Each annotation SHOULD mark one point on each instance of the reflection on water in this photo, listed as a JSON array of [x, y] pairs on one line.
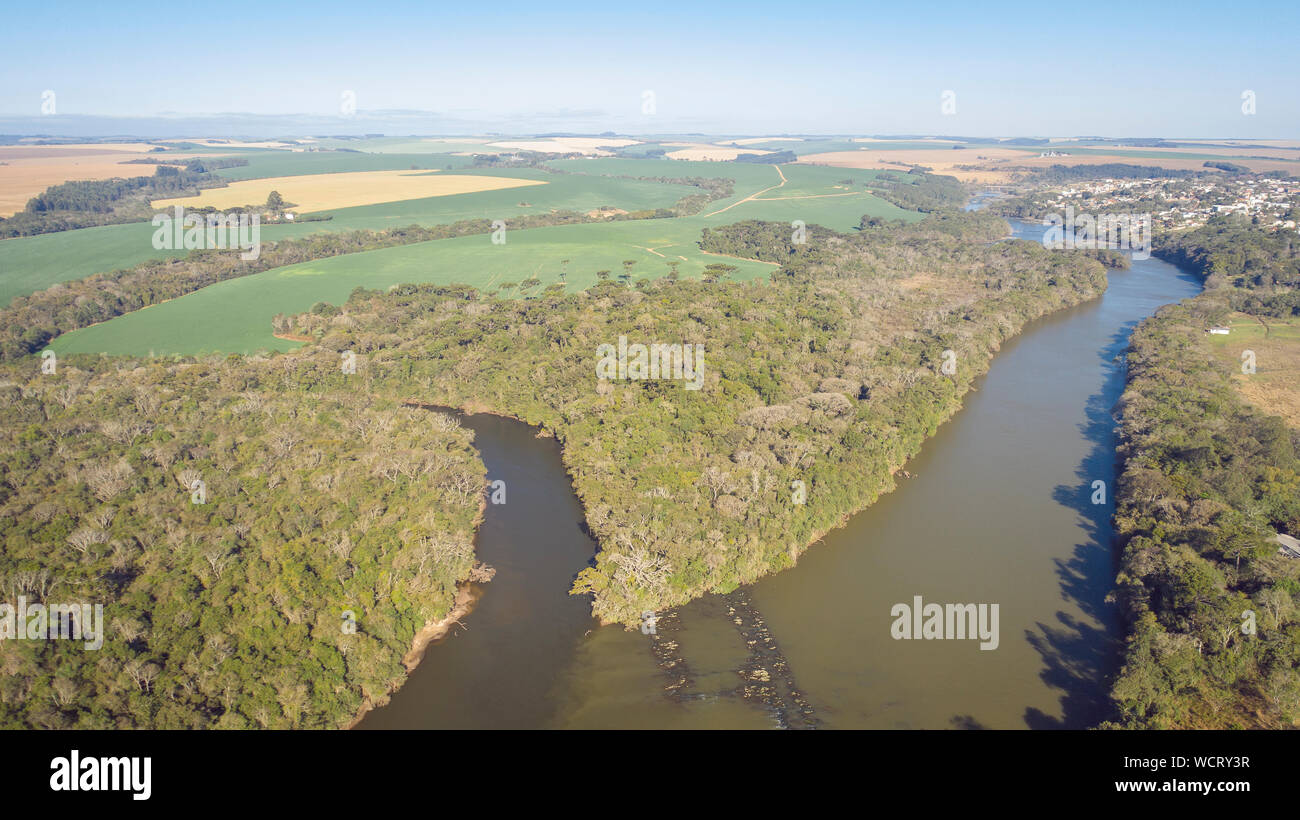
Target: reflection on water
[[998, 511]]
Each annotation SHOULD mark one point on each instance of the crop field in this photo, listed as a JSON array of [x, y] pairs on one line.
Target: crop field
[[319, 192], [707, 151], [33, 263], [262, 164], [1274, 387], [408, 145], [235, 316], [27, 170], [745, 175], [810, 193]]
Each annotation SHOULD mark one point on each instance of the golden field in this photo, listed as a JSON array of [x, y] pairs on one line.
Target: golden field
[[988, 165], [321, 192], [30, 169], [703, 151]]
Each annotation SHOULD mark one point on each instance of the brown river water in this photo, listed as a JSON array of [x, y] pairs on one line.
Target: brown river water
[[998, 511]]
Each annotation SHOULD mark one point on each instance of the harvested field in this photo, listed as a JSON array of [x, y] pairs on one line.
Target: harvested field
[[319, 192], [30, 169], [990, 165], [700, 151]]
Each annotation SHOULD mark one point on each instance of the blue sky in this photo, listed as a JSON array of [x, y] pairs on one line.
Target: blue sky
[[1112, 69]]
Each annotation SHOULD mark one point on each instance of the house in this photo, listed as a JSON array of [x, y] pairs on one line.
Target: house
[[1220, 331], [1288, 546]]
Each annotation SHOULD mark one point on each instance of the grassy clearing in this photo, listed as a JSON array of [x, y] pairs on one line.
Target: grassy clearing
[[1274, 387]]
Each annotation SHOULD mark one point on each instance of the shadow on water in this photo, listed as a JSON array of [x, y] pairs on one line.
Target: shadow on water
[[1081, 656]]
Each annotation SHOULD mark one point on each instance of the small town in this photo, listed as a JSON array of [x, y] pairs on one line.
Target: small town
[[1273, 204]]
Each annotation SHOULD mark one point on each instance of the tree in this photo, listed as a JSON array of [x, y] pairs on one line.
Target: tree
[[275, 202]]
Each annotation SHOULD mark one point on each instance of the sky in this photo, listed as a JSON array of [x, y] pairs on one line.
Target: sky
[[1013, 69]]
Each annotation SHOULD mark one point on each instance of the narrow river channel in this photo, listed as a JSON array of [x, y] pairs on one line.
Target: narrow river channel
[[998, 511]]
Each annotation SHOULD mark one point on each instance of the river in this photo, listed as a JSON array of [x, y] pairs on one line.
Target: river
[[999, 510]]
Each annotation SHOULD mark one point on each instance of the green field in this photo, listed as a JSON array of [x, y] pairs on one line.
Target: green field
[[235, 316], [268, 163], [33, 263], [405, 145]]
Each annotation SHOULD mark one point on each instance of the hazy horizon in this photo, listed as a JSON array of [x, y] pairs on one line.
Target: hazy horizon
[[244, 125]]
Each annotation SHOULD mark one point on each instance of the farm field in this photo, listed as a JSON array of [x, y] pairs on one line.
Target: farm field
[[262, 164], [27, 170], [992, 162], [707, 151], [319, 192], [235, 316], [1274, 387], [33, 263]]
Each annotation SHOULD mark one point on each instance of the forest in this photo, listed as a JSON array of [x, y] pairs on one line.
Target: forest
[[919, 191], [264, 535], [235, 514], [827, 375]]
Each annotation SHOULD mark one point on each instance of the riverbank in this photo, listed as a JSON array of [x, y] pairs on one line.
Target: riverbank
[[468, 592], [1000, 510], [1209, 480], [467, 595]]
